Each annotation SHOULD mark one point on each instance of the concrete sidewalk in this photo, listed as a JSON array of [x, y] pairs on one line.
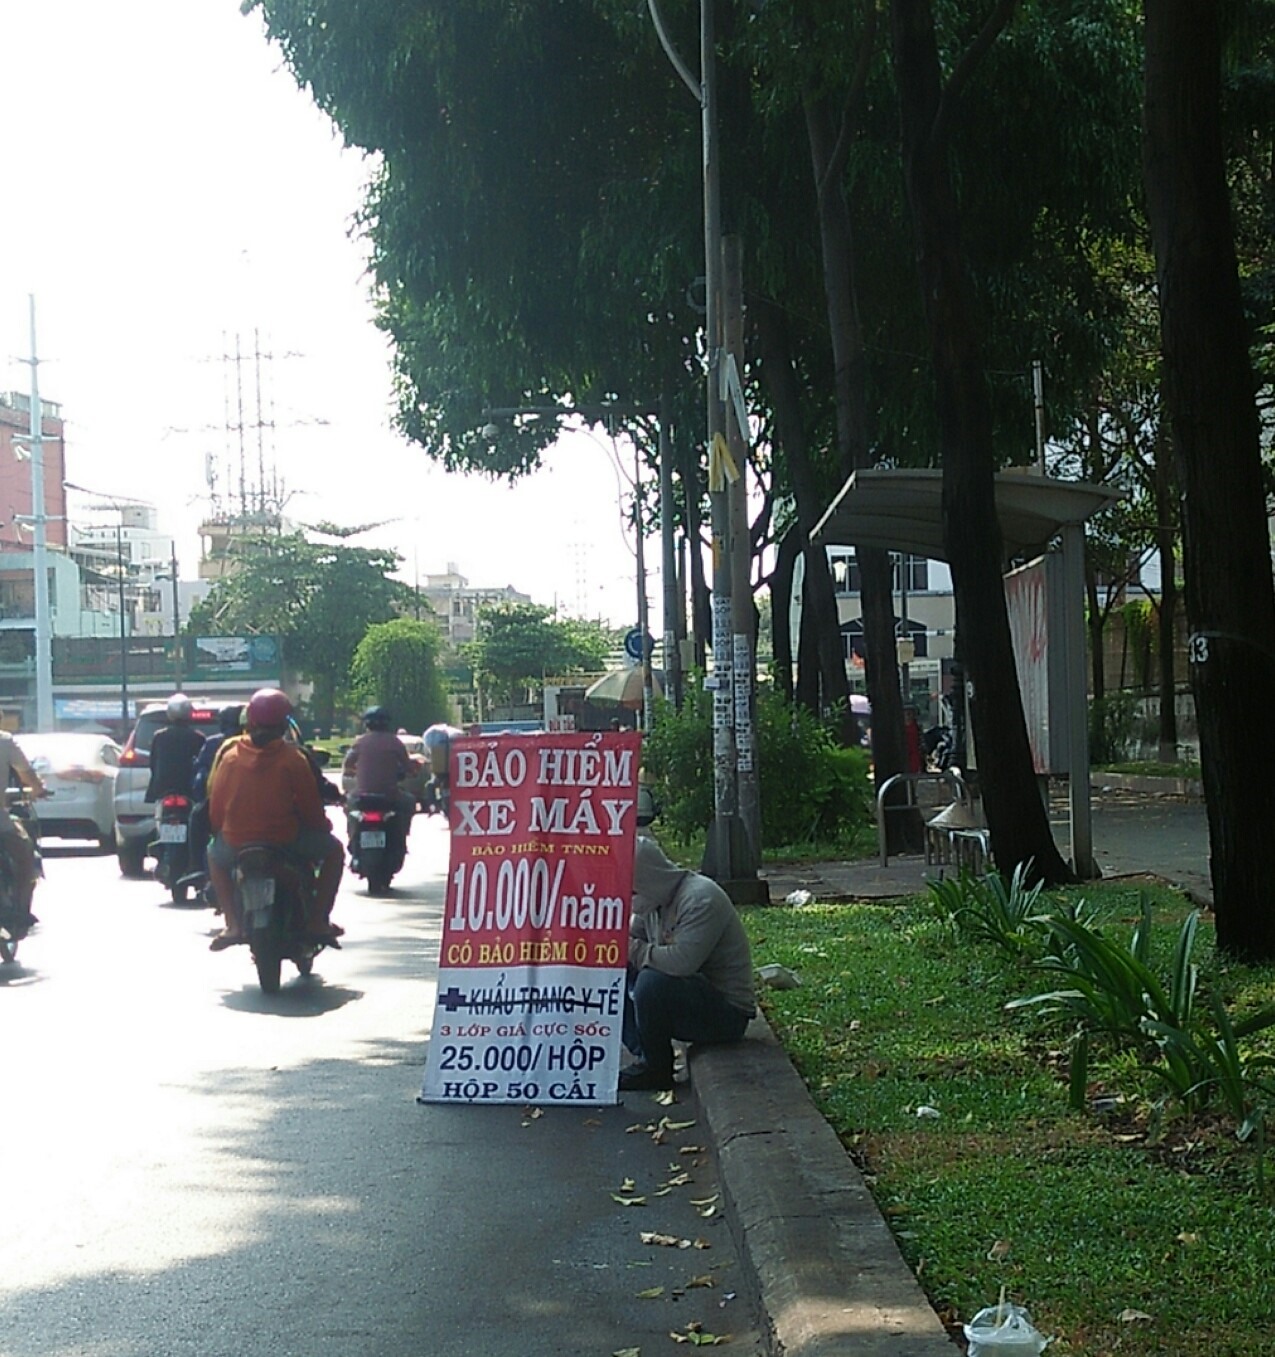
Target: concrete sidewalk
[[826, 1275]]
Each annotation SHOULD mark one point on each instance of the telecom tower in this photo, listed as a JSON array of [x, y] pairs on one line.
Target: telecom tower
[[245, 491]]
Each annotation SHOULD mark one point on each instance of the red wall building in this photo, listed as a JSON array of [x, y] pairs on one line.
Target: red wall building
[[15, 473]]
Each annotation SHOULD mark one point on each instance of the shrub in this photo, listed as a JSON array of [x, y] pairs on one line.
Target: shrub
[[810, 789], [1112, 725]]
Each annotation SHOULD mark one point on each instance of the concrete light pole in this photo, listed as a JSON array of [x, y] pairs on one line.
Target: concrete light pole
[[730, 851]]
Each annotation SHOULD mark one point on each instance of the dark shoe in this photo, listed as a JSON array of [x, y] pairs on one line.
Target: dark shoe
[[226, 939], [642, 1078]]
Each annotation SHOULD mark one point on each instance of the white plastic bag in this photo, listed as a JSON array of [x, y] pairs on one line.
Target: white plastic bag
[[1003, 1331]]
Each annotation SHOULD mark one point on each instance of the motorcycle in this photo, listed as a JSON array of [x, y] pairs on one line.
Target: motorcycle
[[172, 846], [273, 887], [377, 839], [437, 798], [14, 924]]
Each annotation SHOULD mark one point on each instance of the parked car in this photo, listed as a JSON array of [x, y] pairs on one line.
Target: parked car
[[134, 815], [79, 771]]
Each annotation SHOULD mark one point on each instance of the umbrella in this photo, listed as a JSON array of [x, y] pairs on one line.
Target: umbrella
[[623, 687]]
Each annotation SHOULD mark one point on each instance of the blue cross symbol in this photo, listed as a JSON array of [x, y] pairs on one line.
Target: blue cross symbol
[[453, 999]]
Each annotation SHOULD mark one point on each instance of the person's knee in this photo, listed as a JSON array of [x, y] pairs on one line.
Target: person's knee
[[654, 991]]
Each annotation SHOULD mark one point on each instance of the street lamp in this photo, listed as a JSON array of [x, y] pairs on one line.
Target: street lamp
[[177, 617]]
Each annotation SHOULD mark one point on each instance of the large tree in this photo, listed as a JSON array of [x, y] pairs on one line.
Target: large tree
[[518, 645], [1209, 394], [396, 665], [1016, 815], [319, 598]]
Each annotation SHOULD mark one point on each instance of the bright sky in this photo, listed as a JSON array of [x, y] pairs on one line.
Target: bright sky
[[167, 188]]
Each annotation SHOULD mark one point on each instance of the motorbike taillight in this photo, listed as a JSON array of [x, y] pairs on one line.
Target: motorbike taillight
[[373, 817], [175, 803]]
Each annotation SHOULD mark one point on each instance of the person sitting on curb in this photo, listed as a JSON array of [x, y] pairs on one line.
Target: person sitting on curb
[[690, 974], [262, 790]]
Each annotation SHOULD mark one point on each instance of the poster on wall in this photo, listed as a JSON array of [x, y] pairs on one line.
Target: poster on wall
[[531, 968]]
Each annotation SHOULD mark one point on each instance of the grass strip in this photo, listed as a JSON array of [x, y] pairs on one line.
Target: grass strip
[[1126, 1228]]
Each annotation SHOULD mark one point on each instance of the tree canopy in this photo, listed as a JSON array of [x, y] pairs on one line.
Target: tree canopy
[[396, 665], [519, 644], [319, 598]]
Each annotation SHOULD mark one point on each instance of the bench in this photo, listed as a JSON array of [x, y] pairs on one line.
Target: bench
[[965, 849], [912, 784]]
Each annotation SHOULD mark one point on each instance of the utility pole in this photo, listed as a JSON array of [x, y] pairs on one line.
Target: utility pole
[[120, 572], [743, 625], [728, 856], [177, 623], [39, 551]]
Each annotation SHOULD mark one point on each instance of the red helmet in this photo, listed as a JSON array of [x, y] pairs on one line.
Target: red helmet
[[269, 707]]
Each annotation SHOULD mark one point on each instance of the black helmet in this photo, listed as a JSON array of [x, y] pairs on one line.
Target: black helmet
[[377, 718], [230, 719]]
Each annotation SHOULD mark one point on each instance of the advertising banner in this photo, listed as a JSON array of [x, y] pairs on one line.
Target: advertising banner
[[532, 963]]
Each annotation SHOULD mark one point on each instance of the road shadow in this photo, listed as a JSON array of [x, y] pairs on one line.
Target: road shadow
[[73, 848], [304, 996]]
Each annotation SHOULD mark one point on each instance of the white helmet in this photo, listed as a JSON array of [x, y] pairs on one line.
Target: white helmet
[[180, 707]]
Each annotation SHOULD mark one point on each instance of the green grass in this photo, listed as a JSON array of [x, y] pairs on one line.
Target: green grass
[[1133, 1208]]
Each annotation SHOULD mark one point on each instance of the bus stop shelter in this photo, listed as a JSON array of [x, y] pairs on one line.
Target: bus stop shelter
[[900, 510]]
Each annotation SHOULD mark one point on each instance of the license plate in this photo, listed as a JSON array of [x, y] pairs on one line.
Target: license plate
[[372, 838], [257, 893], [172, 833]]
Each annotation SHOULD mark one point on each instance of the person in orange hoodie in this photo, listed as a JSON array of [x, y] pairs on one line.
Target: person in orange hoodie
[[262, 790]]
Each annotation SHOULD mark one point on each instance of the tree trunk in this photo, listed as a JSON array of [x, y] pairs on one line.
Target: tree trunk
[[1209, 395], [808, 692], [1016, 815], [781, 385], [1166, 620], [1096, 622], [781, 609], [701, 623], [876, 593]]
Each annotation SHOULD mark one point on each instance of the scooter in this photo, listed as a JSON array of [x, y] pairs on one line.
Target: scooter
[[172, 846], [378, 840], [273, 886], [15, 924]]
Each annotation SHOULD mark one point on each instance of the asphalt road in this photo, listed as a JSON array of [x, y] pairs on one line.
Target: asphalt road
[[191, 1167]]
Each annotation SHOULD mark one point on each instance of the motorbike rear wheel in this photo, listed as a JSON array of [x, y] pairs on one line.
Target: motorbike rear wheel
[[178, 893], [8, 949], [305, 964], [378, 881], [269, 971]]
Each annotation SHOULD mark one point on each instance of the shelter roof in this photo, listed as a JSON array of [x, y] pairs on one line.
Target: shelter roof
[[900, 510]]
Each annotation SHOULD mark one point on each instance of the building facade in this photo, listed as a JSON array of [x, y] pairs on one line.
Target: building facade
[[456, 602]]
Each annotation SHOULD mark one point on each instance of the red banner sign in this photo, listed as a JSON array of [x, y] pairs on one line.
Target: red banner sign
[[535, 936]]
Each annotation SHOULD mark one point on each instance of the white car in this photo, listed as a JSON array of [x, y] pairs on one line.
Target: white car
[[79, 772]]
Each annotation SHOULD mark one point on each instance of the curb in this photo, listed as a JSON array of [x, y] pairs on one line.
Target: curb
[[822, 1267]]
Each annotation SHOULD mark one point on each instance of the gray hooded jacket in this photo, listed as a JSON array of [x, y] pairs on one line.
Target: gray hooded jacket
[[685, 924]]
